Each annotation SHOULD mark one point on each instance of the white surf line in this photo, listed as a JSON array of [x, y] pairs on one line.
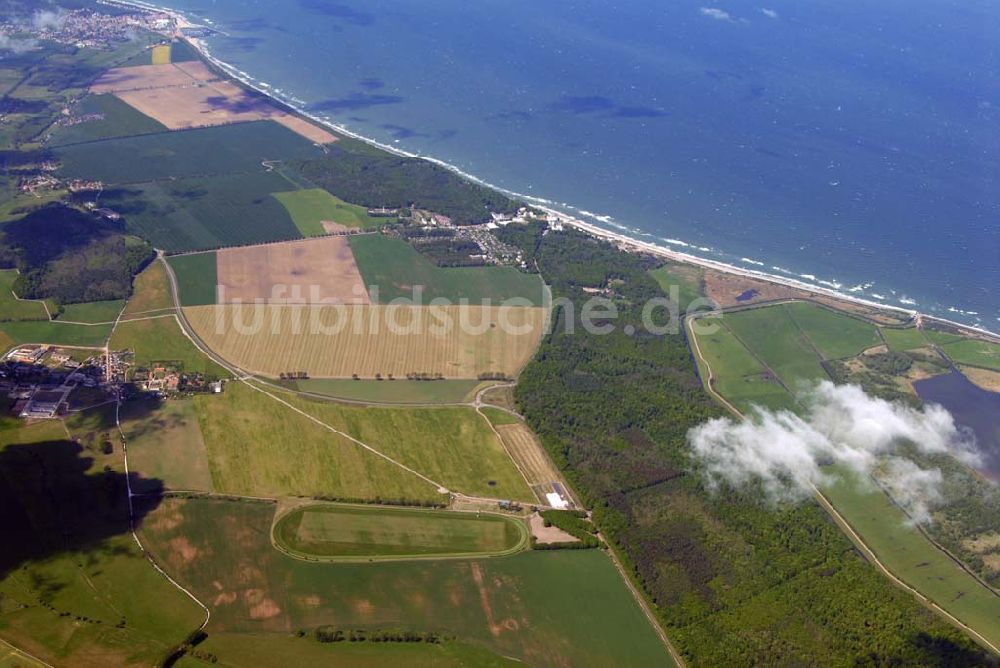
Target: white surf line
[[131, 520], [839, 519]]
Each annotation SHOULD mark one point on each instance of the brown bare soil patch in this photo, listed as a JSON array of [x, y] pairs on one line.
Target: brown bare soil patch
[[363, 607], [225, 598], [183, 548], [310, 601], [189, 95], [259, 605], [331, 227], [146, 77], [484, 599], [552, 534], [320, 270]]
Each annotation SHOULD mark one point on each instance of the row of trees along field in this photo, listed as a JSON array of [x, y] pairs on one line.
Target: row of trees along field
[[735, 580]]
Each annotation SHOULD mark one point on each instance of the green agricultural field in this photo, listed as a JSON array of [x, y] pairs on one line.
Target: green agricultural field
[[118, 120], [160, 339], [259, 447], [92, 312], [165, 444], [310, 208], [395, 267], [197, 278], [150, 291], [942, 338], [205, 212], [546, 608], [899, 340], [392, 392], [75, 588], [227, 149], [499, 417], [12, 308], [774, 338], [272, 650], [737, 375], [56, 333], [834, 335], [974, 352], [452, 445], [908, 554], [358, 533]]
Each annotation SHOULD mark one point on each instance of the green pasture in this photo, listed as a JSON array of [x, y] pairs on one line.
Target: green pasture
[[12, 308], [545, 608], [197, 278], [56, 333], [309, 208], [118, 120], [161, 339], [395, 267], [899, 340], [834, 335], [774, 338], [165, 444], [974, 352], [499, 417], [92, 312]]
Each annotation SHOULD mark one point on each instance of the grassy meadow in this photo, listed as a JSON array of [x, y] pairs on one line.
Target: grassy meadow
[[545, 608], [165, 444], [197, 278], [259, 447], [309, 208], [117, 119], [899, 340], [12, 308], [92, 312], [162, 340], [56, 333], [395, 267], [391, 392], [74, 587], [150, 291], [974, 353], [775, 339], [339, 532]]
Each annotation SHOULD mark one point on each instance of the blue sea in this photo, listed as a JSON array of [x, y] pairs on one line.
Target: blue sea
[[849, 143]]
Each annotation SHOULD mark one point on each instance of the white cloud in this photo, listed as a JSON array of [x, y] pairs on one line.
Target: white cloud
[[8, 43], [842, 425], [716, 13], [48, 19], [769, 13]]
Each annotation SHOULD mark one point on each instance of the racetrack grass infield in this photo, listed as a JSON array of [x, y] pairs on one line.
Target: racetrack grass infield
[[546, 608], [371, 340], [110, 118], [395, 267], [197, 278], [165, 444], [150, 292], [161, 339], [909, 555], [258, 447], [56, 333], [338, 532], [239, 147], [205, 212], [75, 588], [452, 445], [391, 391], [311, 207], [92, 312], [12, 308]]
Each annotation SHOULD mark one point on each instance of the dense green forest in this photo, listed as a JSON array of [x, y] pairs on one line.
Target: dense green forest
[[71, 256], [358, 173], [735, 581]]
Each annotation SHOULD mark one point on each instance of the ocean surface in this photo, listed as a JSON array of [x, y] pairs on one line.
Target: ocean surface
[[849, 143]]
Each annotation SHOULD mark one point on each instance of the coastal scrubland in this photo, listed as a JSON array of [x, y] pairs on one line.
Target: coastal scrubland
[[625, 404]]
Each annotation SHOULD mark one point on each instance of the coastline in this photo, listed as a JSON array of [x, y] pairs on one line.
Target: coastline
[[621, 239]]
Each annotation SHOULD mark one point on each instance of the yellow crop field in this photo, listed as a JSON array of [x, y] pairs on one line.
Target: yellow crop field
[[367, 340], [527, 452], [161, 55]]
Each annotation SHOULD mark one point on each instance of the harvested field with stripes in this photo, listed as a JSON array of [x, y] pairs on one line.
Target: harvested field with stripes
[[528, 454], [311, 271], [189, 95], [396, 340]]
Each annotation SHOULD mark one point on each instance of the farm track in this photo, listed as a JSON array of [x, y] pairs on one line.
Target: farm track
[[844, 525]]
